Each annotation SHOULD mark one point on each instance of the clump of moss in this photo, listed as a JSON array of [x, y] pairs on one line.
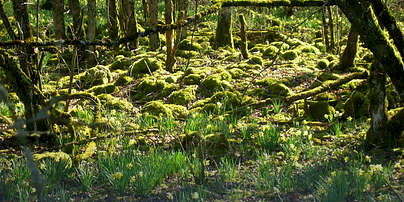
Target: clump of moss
[[322, 64], [281, 45], [150, 85], [217, 81], [295, 42], [357, 105], [194, 76], [308, 49], [316, 110], [187, 45], [120, 62], [97, 75], [123, 80], [270, 51], [186, 53], [237, 73], [255, 60], [183, 96], [114, 103], [274, 87], [289, 55], [145, 66], [105, 88], [159, 108]]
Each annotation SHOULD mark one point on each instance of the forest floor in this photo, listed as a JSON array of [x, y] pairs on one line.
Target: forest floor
[[218, 129]]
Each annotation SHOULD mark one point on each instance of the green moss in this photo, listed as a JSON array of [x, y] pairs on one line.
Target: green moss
[[308, 49], [106, 88], [357, 105], [56, 156], [255, 60], [121, 62], [326, 76], [145, 66], [317, 109], [326, 97], [150, 85], [217, 81], [183, 96], [192, 79], [112, 102], [237, 73], [123, 80], [186, 54], [289, 55], [322, 64], [258, 92], [281, 45], [97, 75], [274, 87], [157, 108], [270, 51], [187, 45], [295, 42]]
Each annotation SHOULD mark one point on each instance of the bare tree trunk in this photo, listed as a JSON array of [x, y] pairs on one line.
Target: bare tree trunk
[[348, 56], [154, 38], [325, 30], [58, 9], [91, 31], [224, 35], [112, 21], [377, 109], [168, 15], [243, 35]]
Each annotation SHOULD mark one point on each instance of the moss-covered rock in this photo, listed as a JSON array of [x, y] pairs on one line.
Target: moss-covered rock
[[97, 75], [237, 73], [270, 51], [192, 79], [317, 109], [217, 81], [183, 96], [289, 55], [145, 66], [120, 62], [123, 80], [106, 88], [187, 45], [159, 108], [274, 87], [308, 49], [186, 54], [295, 42], [281, 45], [357, 105], [112, 102], [322, 64], [326, 76], [255, 60], [152, 86], [326, 97]]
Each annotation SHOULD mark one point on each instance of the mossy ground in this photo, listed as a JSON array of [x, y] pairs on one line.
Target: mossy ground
[[229, 150]]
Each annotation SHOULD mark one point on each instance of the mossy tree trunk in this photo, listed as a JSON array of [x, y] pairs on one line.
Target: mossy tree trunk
[[325, 30], [146, 10], [58, 9], [154, 38], [128, 21], [331, 27], [348, 56], [6, 22], [91, 31], [112, 19], [25, 90], [224, 35], [77, 15], [243, 35], [168, 15]]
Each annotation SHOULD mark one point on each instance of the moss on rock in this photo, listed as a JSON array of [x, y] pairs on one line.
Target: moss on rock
[[308, 49], [123, 80], [357, 105], [187, 45], [322, 64], [120, 62], [159, 108], [106, 88], [317, 109], [289, 55], [270, 51], [183, 96], [145, 66], [237, 73], [274, 87], [217, 81], [255, 60], [114, 103], [186, 54]]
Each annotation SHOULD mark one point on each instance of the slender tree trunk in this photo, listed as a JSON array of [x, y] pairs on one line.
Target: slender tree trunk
[[331, 27], [348, 56], [377, 109], [154, 38], [146, 10], [224, 35], [168, 15], [91, 30], [182, 13], [325, 30], [127, 19], [112, 20], [58, 9], [6, 22], [243, 35], [75, 10]]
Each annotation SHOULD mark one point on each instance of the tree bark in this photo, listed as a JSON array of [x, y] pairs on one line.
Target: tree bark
[[374, 39], [154, 38], [168, 15], [331, 27], [325, 30], [112, 20], [58, 9], [91, 31], [182, 13], [127, 19], [224, 35], [75, 10], [243, 35], [6, 22], [348, 56], [146, 12], [377, 109]]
